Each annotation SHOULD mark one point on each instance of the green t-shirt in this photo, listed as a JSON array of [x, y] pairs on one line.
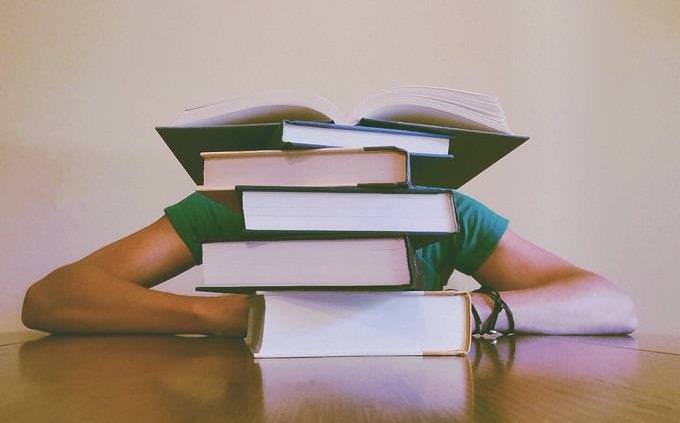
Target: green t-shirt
[[198, 218]]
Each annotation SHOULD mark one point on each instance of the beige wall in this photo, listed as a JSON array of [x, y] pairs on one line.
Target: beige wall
[[595, 83]]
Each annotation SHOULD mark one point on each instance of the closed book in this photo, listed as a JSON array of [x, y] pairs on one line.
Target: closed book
[[319, 167], [316, 134], [343, 210], [470, 152], [364, 323], [310, 263], [188, 143]]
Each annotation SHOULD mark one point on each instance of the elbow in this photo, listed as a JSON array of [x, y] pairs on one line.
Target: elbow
[[620, 317], [613, 311], [31, 311], [40, 310], [628, 318]]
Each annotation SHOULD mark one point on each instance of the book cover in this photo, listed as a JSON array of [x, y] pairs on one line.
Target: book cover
[[296, 260], [384, 166], [324, 134], [342, 323], [437, 218]]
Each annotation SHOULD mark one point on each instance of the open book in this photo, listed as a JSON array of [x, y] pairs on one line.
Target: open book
[[415, 104]]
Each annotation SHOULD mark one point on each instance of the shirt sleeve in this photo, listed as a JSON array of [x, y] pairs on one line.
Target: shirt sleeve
[[199, 219], [480, 229]]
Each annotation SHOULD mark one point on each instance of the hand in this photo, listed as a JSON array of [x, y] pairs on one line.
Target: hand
[[226, 315]]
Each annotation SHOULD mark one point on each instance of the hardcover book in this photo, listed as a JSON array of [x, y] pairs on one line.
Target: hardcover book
[[319, 167], [342, 323], [320, 134], [317, 263], [343, 210]]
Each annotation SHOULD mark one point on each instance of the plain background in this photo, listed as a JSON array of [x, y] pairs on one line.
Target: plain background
[[596, 84]]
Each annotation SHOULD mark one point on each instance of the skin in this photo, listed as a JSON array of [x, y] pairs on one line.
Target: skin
[[107, 292]]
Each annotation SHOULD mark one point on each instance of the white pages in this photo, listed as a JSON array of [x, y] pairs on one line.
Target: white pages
[[319, 167], [355, 136], [413, 104], [349, 211], [318, 324], [310, 262]]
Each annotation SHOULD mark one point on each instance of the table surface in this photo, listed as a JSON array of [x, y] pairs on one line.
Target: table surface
[[172, 378]]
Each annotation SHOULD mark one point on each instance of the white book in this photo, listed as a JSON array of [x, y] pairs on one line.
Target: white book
[[413, 104], [379, 262], [366, 323], [319, 167], [332, 135], [412, 211]]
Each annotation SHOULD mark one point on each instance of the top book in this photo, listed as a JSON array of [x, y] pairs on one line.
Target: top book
[[415, 104]]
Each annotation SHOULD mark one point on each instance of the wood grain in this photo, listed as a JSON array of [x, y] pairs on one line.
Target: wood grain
[[167, 378]]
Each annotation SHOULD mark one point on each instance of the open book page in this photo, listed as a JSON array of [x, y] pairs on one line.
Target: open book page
[[421, 105], [480, 102], [435, 106], [260, 108]]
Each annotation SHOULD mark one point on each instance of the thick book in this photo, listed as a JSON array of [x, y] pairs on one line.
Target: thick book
[[316, 263], [320, 167], [365, 323], [274, 210], [323, 134], [428, 105]]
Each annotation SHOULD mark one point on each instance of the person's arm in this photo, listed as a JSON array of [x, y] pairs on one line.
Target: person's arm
[[548, 295], [107, 292]]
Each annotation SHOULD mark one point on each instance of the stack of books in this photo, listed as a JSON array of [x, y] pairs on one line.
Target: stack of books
[[334, 212]]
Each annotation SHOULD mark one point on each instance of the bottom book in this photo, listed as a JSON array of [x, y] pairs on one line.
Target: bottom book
[[364, 323]]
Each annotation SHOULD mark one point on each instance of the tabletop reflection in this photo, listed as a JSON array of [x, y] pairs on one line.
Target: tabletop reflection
[[216, 379]]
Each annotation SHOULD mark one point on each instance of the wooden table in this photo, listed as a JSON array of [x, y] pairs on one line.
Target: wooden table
[[168, 378]]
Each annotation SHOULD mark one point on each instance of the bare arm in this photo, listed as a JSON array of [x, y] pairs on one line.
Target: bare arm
[[107, 292], [548, 295]]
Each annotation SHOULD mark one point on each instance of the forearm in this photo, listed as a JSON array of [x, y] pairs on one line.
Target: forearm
[[583, 304], [85, 299]]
